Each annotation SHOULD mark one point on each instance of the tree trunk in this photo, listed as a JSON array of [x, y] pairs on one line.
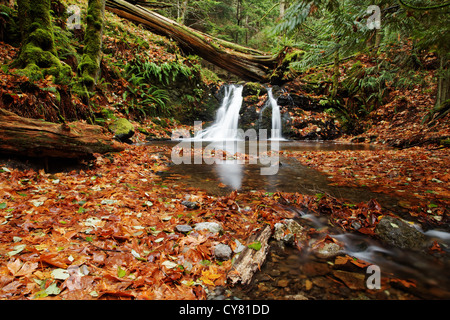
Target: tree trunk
[[247, 63], [37, 138], [282, 8], [249, 260], [443, 90], [37, 57], [183, 11], [92, 55], [336, 74]]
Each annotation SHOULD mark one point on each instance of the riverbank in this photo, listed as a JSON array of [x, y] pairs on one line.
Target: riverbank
[[115, 229]]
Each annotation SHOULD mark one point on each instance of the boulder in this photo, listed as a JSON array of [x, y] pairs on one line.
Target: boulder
[[400, 234], [253, 89], [122, 129]]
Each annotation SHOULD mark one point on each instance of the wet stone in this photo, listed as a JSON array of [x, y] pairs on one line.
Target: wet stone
[[398, 233], [212, 227], [222, 252], [183, 228], [282, 283], [352, 280]]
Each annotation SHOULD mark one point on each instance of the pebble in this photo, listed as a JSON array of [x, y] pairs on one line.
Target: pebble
[[222, 252], [213, 227], [183, 228], [283, 283], [190, 204]]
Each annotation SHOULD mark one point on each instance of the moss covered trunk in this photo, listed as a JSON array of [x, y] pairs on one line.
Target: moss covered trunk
[[247, 63], [90, 64], [37, 57], [336, 74], [36, 138]]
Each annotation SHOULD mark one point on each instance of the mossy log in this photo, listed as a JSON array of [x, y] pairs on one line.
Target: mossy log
[[37, 138], [247, 63]]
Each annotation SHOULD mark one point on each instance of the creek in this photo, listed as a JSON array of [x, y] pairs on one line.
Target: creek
[[290, 273]]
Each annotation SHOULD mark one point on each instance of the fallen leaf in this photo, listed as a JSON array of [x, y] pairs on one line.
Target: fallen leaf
[[255, 245]]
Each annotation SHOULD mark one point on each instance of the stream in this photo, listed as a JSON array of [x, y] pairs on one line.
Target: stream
[[292, 274]]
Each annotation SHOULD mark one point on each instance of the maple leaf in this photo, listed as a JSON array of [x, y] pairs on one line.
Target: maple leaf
[[210, 276]]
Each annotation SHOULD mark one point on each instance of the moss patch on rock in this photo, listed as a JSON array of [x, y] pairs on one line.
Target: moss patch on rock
[[122, 129]]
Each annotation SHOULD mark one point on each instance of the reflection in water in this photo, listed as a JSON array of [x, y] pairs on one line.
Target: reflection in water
[[230, 173], [291, 176]]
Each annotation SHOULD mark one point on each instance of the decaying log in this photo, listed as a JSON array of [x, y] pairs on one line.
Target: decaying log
[[250, 260], [247, 63], [37, 138]]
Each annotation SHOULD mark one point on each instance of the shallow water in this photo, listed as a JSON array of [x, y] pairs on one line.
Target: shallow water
[[405, 274], [291, 176], [290, 274]]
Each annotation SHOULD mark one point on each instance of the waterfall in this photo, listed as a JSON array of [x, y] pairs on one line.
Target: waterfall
[[225, 127], [227, 118], [276, 117]]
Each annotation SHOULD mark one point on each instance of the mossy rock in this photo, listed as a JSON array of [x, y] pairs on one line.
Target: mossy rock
[[253, 89], [122, 129]]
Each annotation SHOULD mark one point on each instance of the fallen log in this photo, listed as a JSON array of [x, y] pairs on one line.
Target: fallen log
[[250, 260], [37, 138], [247, 63]]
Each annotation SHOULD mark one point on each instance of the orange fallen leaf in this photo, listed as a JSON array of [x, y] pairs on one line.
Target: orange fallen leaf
[[210, 275]]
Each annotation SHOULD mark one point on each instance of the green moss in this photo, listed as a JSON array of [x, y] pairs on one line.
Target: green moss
[[293, 56], [37, 57], [90, 62], [122, 129], [253, 89]]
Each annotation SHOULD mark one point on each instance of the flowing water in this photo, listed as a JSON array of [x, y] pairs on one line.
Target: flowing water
[[276, 117], [292, 274], [226, 124]]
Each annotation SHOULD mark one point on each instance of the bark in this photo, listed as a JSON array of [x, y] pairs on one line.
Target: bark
[[443, 90], [37, 138], [247, 63], [92, 55], [336, 74], [282, 8], [250, 260]]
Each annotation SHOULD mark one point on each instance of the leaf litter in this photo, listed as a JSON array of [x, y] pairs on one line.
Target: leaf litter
[[120, 247]]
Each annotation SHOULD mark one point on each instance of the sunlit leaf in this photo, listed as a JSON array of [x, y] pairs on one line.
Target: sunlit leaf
[[255, 245]]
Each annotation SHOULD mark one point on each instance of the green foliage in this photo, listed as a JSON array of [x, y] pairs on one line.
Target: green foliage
[[164, 74], [240, 21], [145, 98]]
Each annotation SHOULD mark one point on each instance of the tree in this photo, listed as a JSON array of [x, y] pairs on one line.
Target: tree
[[248, 63], [37, 57], [432, 33], [90, 63]]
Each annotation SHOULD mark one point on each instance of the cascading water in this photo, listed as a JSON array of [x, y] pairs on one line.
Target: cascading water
[[225, 127], [226, 124], [276, 117]]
